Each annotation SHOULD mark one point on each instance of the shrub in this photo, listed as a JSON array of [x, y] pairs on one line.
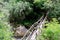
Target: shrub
[[43, 4], [52, 32], [5, 31], [55, 12], [19, 11], [23, 12], [5, 28]]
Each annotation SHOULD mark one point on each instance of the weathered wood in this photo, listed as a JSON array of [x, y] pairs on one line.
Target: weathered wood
[[39, 25], [32, 27]]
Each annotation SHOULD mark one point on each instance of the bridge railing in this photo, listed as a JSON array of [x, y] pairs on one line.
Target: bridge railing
[[36, 29]]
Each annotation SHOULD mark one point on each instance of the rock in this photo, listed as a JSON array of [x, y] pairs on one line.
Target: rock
[[20, 31]]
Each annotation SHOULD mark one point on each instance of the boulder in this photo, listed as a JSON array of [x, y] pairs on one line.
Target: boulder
[[20, 31]]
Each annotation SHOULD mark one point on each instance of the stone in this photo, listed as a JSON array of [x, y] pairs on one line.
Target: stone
[[20, 31]]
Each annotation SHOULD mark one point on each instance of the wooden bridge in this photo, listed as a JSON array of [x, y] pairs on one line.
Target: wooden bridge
[[36, 29]]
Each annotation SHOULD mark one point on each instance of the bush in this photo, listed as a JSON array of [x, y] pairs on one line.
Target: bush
[[19, 12], [5, 28], [43, 4], [55, 12], [22, 12], [5, 31], [52, 32]]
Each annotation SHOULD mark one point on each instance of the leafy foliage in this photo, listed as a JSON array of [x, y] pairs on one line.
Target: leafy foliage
[[19, 11], [27, 12], [55, 12], [43, 4], [5, 31], [52, 5], [5, 28], [52, 31], [24, 10]]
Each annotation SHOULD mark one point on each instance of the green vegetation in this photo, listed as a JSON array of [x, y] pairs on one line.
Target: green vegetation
[[5, 28], [52, 32], [27, 12], [5, 31]]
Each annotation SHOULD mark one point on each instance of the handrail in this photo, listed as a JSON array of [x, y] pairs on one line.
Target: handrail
[[32, 27], [42, 19]]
